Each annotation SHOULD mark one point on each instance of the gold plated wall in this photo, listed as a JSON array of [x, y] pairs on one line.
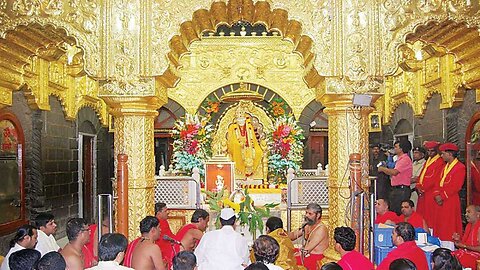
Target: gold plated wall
[[214, 62], [347, 133], [133, 125], [424, 70]]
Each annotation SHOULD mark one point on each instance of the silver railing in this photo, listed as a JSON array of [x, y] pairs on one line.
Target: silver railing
[[109, 199], [179, 192], [304, 190]]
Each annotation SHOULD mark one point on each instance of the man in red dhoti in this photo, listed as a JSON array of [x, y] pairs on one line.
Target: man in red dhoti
[[403, 237], [161, 213], [315, 234], [412, 217], [429, 175], [468, 251], [445, 192]]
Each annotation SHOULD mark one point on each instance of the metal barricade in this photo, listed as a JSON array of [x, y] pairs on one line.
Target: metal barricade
[[100, 213], [178, 192], [304, 190]]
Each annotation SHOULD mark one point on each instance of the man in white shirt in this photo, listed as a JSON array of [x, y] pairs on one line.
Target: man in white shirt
[[111, 251], [223, 249], [26, 237], [46, 228]]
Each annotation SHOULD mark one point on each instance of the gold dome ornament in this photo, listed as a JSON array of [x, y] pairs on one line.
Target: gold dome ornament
[[242, 93]]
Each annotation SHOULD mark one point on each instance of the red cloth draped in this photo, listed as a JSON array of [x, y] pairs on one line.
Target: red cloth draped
[[389, 215], [415, 219], [408, 250], [426, 202], [450, 210], [310, 261], [469, 258], [127, 261], [164, 245]]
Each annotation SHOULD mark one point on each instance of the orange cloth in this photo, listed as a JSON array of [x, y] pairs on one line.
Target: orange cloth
[[469, 258]]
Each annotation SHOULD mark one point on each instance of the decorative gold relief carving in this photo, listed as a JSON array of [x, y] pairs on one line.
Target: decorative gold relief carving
[[269, 62], [437, 72], [343, 116], [134, 118], [77, 18]]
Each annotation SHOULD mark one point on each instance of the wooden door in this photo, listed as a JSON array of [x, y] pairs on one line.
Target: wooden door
[[87, 161]]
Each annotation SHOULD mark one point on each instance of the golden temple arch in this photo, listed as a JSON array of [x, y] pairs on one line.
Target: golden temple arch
[[127, 59]]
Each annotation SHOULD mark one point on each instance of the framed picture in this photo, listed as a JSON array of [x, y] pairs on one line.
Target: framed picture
[[374, 122]]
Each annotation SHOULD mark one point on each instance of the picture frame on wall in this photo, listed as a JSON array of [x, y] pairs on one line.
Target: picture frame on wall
[[375, 122]]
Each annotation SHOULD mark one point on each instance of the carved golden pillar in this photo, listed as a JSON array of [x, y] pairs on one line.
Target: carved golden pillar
[[347, 133], [133, 123]]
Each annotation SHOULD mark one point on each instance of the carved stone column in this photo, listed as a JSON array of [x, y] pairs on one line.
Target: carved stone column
[[347, 133], [133, 124]]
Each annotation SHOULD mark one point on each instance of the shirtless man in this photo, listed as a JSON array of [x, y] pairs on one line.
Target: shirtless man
[[78, 234], [316, 237], [146, 254], [190, 234]]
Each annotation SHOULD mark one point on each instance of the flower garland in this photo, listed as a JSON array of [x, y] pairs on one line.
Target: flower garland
[[278, 107], [286, 148], [211, 106], [192, 143]]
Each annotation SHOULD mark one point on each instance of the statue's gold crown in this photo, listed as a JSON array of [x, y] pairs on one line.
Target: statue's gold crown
[[242, 93]]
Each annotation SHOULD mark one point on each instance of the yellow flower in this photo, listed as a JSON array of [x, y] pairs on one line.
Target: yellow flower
[[229, 203]]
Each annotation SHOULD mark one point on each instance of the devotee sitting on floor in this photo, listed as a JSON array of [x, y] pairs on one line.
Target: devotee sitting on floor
[[345, 245], [185, 260], [446, 195], [143, 253], [257, 266], [468, 251], [266, 249], [286, 258], [190, 234], [46, 227], [161, 212], [223, 248], [331, 266], [443, 259], [111, 251], [24, 259], [384, 215], [315, 234], [409, 215], [402, 264], [78, 234], [400, 175], [403, 237], [25, 237], [52, 261]]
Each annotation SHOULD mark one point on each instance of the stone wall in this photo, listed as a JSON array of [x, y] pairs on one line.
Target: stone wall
[[51, 160]]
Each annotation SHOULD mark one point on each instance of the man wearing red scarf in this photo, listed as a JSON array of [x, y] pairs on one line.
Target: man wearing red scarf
[[468, 251], [447, 212], [161, 213], [430, 174]]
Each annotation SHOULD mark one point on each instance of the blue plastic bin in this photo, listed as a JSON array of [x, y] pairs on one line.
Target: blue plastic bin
[[383, 237]]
